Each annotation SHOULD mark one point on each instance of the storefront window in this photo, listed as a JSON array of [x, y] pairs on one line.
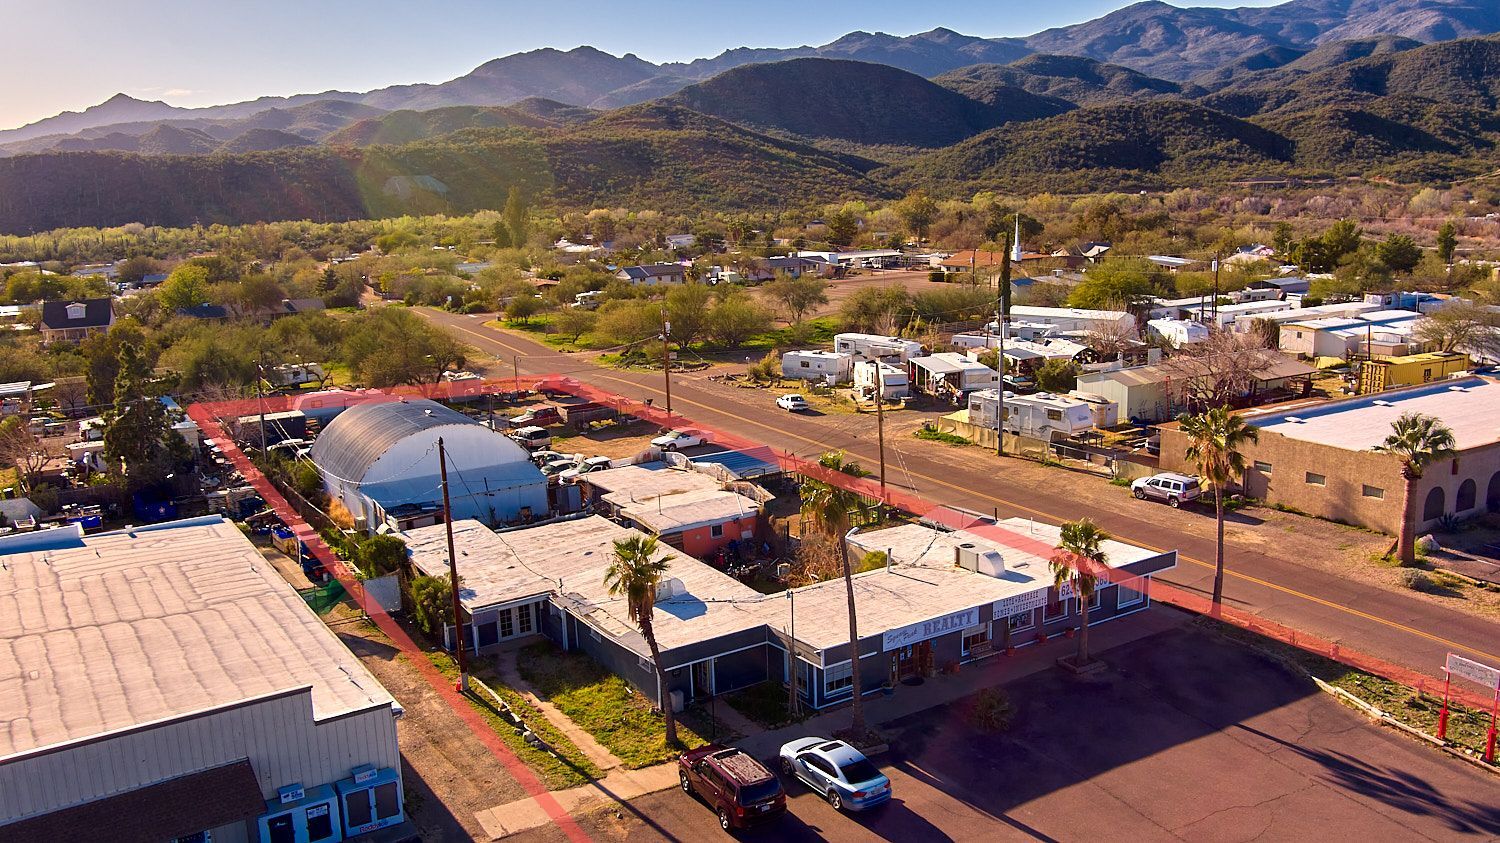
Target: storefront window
[[1020, 620], [976, 639], [838, 678], [1056, 607]]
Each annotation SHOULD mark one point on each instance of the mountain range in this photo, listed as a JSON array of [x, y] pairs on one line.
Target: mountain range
[[1149, 96]]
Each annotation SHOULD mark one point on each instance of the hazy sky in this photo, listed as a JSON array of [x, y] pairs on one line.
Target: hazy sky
[[70, 54]]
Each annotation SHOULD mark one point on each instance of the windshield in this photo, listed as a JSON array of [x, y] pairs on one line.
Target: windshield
[[752, 793], [857, 772]]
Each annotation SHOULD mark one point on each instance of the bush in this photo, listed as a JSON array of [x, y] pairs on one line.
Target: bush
[[992, 711], [1415, 580], [307, 481], [381, 555], [431, 603], [931, 435], [937, 276]]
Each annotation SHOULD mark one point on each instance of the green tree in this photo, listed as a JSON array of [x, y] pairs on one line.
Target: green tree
[[832, 508], [1470, 328], [687, 310], [1214, 442], [185, 288], [1399, 252], [843, 227], [136, 268], [1313, 255], [797, 296], [381, 555], [136, 428], [635, 573], [1117, 282], [101, 354], [1080, 562], [523, 307], [736, 318], [626, 322], [517, 218], [574, 322], [392, 346], [877, 310], [1057, 375], [1282, 238], [1343, 238], [917, 212], [1418, 441], [1447, 241], [431, 603]]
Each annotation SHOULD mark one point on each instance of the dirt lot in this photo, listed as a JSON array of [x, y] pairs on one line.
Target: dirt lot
[[915, 281]]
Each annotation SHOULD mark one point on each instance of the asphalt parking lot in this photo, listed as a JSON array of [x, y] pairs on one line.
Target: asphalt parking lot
[[1186, 736]]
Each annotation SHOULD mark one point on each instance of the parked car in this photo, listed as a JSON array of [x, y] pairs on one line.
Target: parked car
[[841, 773], [792, 403], [557, 467], [541, 415], [1175, 489], [588, 466], [736, 786], [679, 439], [541, 458], [532, 438]]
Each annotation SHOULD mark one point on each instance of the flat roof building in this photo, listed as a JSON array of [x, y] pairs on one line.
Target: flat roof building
[[1321, 459], [174, 661]]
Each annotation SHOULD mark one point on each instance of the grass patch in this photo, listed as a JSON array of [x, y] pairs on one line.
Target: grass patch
[[765, 704], [819, 331], [1466, 727], [569, 768], [10, 477], [1122, 482], [930, 435], [602, 704]]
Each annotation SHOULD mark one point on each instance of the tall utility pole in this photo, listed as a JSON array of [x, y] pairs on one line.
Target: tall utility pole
[[515, 368], [880, 423], [791, 652], [1002, 322], [1216, 290], [858, 726], [260, 399], [458, 618], [666, 361]]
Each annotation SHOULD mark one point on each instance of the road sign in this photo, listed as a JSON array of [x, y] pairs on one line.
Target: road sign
[[1480, 674]]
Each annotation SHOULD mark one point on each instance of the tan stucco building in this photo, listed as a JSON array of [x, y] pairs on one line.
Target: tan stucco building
[[1321, 459]]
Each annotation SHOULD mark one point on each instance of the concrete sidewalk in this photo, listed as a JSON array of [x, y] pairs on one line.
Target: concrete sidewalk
[[620, 787], [993, 671]]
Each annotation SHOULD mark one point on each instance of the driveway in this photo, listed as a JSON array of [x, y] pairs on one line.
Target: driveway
[[1186, 737]]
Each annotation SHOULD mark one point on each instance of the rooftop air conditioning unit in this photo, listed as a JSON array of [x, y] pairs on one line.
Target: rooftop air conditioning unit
[[669, 588], [971, 557]]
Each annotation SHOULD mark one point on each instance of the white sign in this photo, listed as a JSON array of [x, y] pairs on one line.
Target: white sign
[[1027, 602], [917, 632], [291, 793], [1481, 674]]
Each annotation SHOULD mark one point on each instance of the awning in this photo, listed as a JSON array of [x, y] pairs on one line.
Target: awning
[[164, 811]]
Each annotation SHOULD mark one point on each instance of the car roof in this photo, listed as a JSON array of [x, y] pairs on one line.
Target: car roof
[[1172, 475]]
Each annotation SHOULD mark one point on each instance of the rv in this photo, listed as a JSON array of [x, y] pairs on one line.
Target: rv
[[895, 383], [876, 347], [829, 366], [1041, 416]]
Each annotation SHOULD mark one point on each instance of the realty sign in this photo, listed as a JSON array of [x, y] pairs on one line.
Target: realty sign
[[917, 632], [1480, 674]]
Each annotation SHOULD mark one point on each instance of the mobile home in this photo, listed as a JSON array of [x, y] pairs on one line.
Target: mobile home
[[829, 366], [876, 347], [895, 382], [1041, 416]]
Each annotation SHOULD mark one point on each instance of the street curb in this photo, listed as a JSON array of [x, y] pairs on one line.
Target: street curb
[[1381, 717]]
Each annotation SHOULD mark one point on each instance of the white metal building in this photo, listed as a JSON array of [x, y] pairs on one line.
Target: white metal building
[[1178, 332], [829, 366], [1074, 319], [381, 460], [165, 682]]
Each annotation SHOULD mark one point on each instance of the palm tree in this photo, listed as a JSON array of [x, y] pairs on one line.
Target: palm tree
[[1081, 561], [1419, 441], [634, 573], [1214, 440], [830, 507]]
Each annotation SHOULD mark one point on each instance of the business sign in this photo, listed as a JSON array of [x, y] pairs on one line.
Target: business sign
[[291, 793], [1019, 603], [917, 632], [1480, 674]]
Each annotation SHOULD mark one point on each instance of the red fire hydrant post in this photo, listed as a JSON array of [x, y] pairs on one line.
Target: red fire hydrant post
[[1443, 715]]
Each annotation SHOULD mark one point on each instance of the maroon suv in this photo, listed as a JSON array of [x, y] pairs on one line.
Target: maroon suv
[[739, 789]]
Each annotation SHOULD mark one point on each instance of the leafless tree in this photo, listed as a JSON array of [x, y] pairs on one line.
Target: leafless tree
[[1468, 328], [1214, 372], [21, 448], [1110, 340]]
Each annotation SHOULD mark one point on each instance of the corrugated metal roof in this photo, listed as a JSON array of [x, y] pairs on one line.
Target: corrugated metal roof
[[360, 435]]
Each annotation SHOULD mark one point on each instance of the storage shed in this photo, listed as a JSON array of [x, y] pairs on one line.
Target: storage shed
[[381, 461]]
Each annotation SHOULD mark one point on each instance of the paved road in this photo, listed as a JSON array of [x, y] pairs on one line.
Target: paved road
[[1158, 747], [1386, 624]]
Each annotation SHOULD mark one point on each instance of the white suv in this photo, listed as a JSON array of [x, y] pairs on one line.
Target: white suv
[[1175, 489]]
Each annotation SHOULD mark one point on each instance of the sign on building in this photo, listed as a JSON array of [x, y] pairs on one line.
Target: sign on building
[[918, 632], [1030, 601]]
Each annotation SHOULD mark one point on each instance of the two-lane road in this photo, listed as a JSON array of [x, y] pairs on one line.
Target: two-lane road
[[1386, 624]]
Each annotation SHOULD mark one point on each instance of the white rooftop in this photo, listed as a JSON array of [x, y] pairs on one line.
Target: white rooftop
[[1023, 311], [698, 508], [948, 362], [1469, 407], [646, 481], [105, 632]]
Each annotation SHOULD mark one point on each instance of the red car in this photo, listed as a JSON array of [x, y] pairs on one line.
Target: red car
[[737, 787]]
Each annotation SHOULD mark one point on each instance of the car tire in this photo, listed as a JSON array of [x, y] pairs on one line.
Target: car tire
[[1140, 494], [786, 767], [724, 822], [835, 799], [687, 786], [1174, 503]]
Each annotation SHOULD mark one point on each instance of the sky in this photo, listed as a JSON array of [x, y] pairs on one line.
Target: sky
[[70, 54]]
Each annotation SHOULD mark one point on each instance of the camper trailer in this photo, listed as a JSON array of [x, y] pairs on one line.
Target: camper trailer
[[829, 366], [876, 347], [1041, 416], [896, 384]]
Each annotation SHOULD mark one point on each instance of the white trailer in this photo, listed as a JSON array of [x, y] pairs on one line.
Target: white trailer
[[830, 366], [876, 347], [896, 383], [1041, 416]]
